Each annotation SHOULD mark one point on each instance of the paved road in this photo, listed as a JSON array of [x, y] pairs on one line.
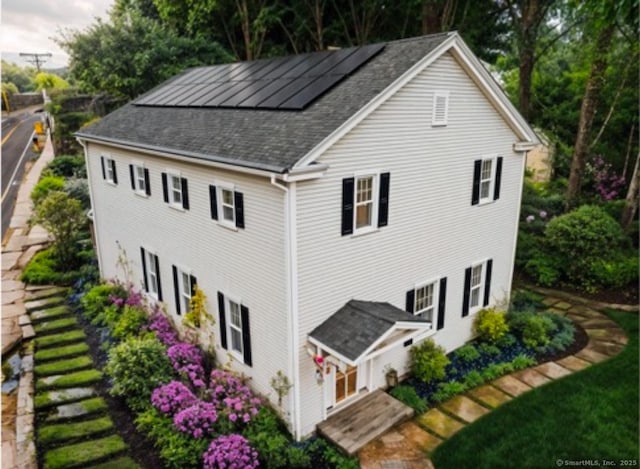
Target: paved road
[[17, 133]]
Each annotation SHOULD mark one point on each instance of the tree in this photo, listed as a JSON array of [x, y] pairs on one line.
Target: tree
[[631, 201], [50, 81], [22, 77], [63, 217]]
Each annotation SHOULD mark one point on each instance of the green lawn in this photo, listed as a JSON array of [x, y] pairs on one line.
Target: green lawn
[[591, 415]]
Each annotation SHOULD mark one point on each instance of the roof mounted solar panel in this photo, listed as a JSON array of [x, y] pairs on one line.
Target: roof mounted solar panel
[[286, 83]]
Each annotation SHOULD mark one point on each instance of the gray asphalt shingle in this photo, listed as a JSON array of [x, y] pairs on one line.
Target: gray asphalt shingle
[[262, 139]]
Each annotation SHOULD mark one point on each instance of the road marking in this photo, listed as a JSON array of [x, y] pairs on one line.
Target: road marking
[[15, 171], [6, 137]]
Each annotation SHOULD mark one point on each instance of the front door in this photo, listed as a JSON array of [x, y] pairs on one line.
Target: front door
[[346, 383]]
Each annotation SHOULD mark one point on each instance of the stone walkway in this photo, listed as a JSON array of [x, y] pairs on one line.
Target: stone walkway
[[409, 445]]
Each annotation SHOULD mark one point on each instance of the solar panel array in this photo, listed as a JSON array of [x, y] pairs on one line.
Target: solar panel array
[[290, 83]]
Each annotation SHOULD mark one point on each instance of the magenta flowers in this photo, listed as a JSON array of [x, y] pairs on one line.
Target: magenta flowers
[[172, 398], [230, 452], [197, 420], [232, 397], [186, 359], [159, 324]]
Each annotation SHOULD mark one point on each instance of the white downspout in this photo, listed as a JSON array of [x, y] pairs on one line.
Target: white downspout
[[92, 199], [515, 237], [292, 291]]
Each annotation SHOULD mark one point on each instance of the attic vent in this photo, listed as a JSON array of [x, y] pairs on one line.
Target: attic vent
[[440, 108]]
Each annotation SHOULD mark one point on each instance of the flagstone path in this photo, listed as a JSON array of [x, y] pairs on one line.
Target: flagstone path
[[409, 445], [72, 425]]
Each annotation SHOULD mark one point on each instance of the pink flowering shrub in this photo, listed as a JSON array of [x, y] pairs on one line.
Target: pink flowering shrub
[[186, 359], [197, 420], [172, 397], [230, 452], [232, 397], [608, 184], [163, 328]]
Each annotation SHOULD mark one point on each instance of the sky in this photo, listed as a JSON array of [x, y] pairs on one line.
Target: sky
[[29, 25]]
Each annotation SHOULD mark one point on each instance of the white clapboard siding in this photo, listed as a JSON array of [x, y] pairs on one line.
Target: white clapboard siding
[[248, 264], [433, 229]]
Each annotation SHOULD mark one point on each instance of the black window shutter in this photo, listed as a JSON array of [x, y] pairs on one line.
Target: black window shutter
[[487, 283], [477, 169], [194, 284], [238, 200], [467, 291], [213, 200], [157, 263], [223, 321], [147, 183], [347, 205], [165, 188], [442, 300], [383, 200], [104, 173], [496, 186], [115, 174], [185, 193], [176, 288], [144, 269], [410, 301], [133, 180], [246, 335]]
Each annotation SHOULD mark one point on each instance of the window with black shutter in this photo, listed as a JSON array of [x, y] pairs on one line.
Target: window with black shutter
[[227, 206], [365, 203], [487, 178]]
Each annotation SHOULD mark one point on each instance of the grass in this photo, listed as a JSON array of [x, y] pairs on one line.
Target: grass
[[38, 304], [70, 380], [63, 366], [592, 414], [82, 454], [48, 399], [57, 353], [62, 338], [53, 434], [55, 325], [86, 407], [120, 463], [49, 313]]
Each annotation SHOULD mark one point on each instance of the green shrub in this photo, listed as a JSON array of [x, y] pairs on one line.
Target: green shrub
[[543, 269], [44, 269], [137, 367], [428, 361], [489, 349], [46, 185], [522, 300], [536, 331], [97, 299], [491, 325], [563, 335], [67, 166], [506, 340], [324, 454], [448, 390], [79, 190], [177, 450], [409, 396], [616, 273], [130, 322], [473, 379], [495, 370], [521, 362], [467, 353]]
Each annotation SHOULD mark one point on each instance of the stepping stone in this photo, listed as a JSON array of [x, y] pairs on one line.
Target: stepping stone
[[43, 303], [562, 305], [78, 409], [606, 348], [573, 363], [63, 338], [24, 320], [591, 355], [577, 318], [439, 423], [85, 453], [489, 395], [120, 463], [618, 336], [56, 325], [58, 353], [46, 292], [464, 408], [597, 333], [418, 437], [28, 332], [50, 435], [511, 385], [50, 313], [559, 312], [69, 380], [531, 377], [552, 370], [54, 398], [550, 301], [61, 366], [596, 323]]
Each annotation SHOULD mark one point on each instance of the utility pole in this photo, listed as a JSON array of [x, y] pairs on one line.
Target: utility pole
[[36, 59]]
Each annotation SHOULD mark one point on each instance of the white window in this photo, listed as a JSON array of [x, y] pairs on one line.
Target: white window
[[486, 180], [475, 286], [365, 203], [235, 327], [185, 291], [440, 108], [175, 190], [109, 167], [425, 301], [227, 202], [140, 181], [152, 273]]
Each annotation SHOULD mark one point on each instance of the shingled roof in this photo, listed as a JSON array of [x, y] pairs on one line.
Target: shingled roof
[[355, 327], [272, 140]]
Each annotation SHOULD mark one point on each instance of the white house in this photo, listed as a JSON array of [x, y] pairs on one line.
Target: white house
[[343, 205]]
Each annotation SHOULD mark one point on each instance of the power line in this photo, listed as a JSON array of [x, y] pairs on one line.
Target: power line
[[36, 59]]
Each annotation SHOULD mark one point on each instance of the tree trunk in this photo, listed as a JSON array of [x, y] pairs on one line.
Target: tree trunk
[[631, 202], [587, 112], [430, 17], [527, 60]]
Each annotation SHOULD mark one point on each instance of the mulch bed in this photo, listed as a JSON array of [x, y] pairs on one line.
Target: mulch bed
[[581, 339], [141, 448]]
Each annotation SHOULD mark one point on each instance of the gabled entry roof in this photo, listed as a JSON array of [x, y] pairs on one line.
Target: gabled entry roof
[[359, 326]]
